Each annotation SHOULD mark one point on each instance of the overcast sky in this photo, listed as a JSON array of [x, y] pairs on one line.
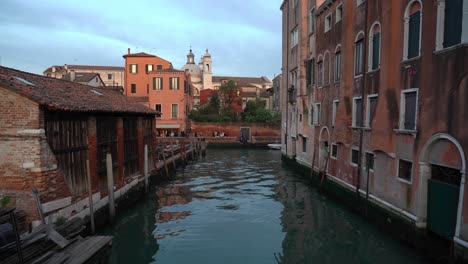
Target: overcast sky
[[243, 37]]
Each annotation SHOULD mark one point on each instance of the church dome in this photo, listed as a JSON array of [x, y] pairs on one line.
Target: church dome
[[193, 69]]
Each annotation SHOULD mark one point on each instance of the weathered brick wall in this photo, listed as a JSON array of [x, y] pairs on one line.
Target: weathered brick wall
[[233, 129]]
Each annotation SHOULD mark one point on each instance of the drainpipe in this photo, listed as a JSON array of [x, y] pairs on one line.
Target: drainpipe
[[287, 77], [363, 86]]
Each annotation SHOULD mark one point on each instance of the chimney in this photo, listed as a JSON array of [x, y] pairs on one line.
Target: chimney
[[66, 67], [53, 68], [72, 75], [128, 51]]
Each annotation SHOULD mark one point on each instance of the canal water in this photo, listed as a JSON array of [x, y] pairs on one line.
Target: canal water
[[242, 206]]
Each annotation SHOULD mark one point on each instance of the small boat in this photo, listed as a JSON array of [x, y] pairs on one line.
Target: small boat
[[274, 146]]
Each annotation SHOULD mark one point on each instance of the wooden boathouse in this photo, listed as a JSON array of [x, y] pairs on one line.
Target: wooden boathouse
[[50, 128]]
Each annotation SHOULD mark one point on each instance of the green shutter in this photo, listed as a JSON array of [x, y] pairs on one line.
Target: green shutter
[[413, 36], [453, 22], [376, 51], [308, 76]]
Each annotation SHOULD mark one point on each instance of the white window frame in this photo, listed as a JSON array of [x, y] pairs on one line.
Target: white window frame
[[133, 68], [406, 30], [172, 83], [368, 121], [351, 156], [339, 13], [149, 67], [331, 151], [320, 76], [172, 111], [398, 171], [403, 110], [311, 115], [294, 37], [370, 46], [355, 110], [312, 24], [328, 22], [155, 87], [334, 111], [335, 68], [317, 115], [440, 28], [356, 40]]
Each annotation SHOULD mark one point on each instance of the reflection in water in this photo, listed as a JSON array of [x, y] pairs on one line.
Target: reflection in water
[[241, 206]]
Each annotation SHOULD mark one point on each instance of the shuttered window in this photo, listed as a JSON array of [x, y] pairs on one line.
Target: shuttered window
[[357, 112], [453, 22], [372, 105], [320, 73], [157, 83], [410, 111], [308, 73], [413, 36], [358, 63], [376, 51], [337, 66]]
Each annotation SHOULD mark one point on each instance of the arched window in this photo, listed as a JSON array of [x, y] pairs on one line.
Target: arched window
[[359, 54], [374, 47], [320, 71], [326, 65], [207, 67], [413, 28], [337, 68]]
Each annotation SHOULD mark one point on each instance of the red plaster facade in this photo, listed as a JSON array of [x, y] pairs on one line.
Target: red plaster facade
[[429, 132]]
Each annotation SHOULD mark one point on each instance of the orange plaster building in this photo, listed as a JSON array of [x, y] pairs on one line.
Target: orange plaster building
[[153, 81]]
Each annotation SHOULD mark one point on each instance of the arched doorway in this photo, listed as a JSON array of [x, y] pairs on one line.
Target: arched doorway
[[324, 139], [442, 173]]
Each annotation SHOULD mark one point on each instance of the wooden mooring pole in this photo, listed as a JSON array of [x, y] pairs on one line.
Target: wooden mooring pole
[[110, 186], [173, 156], [146, 168], [90, 196], [165, 161]]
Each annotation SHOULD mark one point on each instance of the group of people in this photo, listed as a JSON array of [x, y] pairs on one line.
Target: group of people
[[219, 134], [167, 133]]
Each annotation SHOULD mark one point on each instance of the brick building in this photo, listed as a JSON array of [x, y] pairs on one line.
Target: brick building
[[379, 88], [50, 127], [110, 75], [155, 83]]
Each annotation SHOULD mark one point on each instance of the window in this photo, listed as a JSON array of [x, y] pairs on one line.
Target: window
[[175, 110], [109, 76], [339, 13], [133, 90], [159, 67], [320, 73], [300, 117], [449, 23], [412, 33], [158, 108], [359, 56], [311, 115], [157, 83], [354, 157], [174, 83], [133, 68], [149, 67], [304, 144], [408, 109], [405, 170], [294, 37], [370, 112], [334, 151], [312, 20], [370, 160], [328, 22], [338, 65], [318, 114], [310, 76], [326, 68], [335, 109], [374, 47], [357, 112]]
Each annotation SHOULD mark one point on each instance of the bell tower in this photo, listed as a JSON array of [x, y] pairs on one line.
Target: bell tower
[[207, 74]]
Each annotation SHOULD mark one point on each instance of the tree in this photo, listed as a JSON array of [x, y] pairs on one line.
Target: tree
[[228, 92]]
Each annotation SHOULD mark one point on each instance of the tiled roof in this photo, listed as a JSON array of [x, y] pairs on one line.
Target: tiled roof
[[243, 81], [57, 94], [85, 67], [139, 54], [81, 76]]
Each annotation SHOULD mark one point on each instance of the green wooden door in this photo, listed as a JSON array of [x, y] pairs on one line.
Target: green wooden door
[[442, 204]]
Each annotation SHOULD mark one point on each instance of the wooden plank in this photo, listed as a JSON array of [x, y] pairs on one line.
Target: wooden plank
[[87, 248]]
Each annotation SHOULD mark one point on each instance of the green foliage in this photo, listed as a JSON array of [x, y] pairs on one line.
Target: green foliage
[[228, 93], [255, 111], [4, 201], [60, 221]]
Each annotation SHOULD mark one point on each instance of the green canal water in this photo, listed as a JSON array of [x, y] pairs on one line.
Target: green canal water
[[242, 206]]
